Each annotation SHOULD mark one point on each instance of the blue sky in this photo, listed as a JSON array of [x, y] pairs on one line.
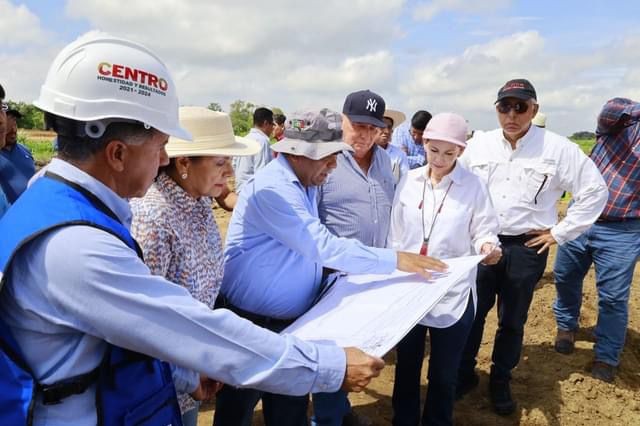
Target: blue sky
[[441, 55]]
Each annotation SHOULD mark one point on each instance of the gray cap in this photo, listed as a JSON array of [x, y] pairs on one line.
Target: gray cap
[[312, 134]]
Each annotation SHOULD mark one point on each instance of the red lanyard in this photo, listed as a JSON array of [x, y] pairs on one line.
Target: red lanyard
[[424, 250]]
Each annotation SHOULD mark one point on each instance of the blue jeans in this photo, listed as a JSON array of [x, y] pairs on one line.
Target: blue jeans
[[190, 417], [330, 408], [613, 248], [446, 350]]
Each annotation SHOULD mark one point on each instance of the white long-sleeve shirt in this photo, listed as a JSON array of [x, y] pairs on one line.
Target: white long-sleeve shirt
[[466, 222], [526, 183]]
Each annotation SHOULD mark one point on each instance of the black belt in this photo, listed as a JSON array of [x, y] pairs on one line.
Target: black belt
[[515, 239], [56, 392], [616, 219], [274, 324]]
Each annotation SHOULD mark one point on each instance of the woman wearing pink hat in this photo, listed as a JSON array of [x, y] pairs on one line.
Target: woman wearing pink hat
[[442, 210]]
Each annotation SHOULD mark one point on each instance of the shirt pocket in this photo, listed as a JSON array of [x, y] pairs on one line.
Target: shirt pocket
[[483, 169], [536, 180]]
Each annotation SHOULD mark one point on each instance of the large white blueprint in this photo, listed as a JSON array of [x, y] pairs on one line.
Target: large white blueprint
[[374, 312]]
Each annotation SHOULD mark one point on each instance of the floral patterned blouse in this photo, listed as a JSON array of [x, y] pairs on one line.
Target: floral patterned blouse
[[180, 241]]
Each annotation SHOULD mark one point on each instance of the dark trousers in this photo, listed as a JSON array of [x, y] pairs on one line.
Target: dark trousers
[[512, 281], [446, 349], [234, 406]]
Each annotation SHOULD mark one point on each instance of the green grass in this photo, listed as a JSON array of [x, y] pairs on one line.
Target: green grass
[[42, 150], [585, 144]]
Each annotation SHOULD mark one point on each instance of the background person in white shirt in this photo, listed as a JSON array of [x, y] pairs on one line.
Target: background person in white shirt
[[445, 210], [246, 167], [526, 169]]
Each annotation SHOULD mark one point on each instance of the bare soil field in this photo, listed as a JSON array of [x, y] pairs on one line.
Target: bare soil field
[[551, 389]]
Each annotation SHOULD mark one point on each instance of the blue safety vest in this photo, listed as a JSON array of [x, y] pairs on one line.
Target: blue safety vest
[[131, 388]]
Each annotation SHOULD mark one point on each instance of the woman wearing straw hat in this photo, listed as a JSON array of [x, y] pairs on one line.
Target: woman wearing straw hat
[[440, 210], [174, 222]]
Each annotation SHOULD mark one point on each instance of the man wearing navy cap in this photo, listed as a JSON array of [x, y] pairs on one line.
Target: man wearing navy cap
[[526, 168], [16, 161], [355, 202]]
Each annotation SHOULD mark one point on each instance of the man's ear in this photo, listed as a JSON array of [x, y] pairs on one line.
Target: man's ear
[[115, 154]]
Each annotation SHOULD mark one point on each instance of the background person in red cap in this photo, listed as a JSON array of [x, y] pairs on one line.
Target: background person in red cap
[[443, 210], [527, 169]]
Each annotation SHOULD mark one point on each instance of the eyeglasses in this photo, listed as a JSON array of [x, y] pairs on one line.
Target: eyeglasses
[[504, 106], [4, 107]]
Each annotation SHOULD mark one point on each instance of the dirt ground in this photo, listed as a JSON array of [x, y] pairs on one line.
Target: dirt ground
[[551, 389]]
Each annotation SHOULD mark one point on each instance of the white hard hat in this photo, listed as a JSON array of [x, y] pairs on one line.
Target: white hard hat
[[100, 77]]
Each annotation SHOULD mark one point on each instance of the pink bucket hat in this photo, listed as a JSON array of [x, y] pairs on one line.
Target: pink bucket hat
[[448, 127]]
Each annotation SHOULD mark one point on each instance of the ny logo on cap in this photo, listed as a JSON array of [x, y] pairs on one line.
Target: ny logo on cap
[[372, 104]]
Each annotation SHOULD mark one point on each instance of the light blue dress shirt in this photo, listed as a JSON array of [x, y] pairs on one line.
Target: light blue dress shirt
[[71, 291], [399, 162], [276, 246], [402, 139], [246, 167], [353, 204]]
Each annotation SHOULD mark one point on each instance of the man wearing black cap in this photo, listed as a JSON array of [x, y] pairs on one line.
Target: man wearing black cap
[[16, 161], [355, 202], [526, 169]]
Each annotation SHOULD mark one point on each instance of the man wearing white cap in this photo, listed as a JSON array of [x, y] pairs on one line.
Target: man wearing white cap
[[276, 249], [83, 323], [526, 169]]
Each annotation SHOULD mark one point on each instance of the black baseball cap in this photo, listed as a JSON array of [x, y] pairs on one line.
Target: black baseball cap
[[365, 106], [518, 88]]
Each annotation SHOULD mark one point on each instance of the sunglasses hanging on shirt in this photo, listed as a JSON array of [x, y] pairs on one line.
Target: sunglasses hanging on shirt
[[424, 249], [504, 106]]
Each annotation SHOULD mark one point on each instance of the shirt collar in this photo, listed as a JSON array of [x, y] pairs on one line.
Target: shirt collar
[[531, 133], [119, 205], [259, 132], [176, 194], [456, 175]]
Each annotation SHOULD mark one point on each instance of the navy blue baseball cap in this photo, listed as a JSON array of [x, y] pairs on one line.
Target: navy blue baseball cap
[[365, 106]]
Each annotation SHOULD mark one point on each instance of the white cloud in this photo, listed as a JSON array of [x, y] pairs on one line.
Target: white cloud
[[571, 88], [19, 26], [425, 11]]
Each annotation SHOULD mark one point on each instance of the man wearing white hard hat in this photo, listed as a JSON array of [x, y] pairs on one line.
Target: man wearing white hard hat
[[83, 322], [277, 247]]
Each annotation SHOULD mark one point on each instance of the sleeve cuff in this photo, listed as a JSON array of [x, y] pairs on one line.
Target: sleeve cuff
[[185, 380], [332, 366], [388, 261]]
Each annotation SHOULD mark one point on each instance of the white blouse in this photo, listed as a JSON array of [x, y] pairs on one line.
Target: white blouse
[[466, 221]]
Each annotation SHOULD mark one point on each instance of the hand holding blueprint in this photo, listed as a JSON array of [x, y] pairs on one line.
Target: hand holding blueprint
[[374, 312]]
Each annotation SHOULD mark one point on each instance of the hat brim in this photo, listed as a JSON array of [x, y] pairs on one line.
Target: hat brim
[[396, 116], [437, 136], [239, 147], [366, 119], [312, 150], [518, 94]]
